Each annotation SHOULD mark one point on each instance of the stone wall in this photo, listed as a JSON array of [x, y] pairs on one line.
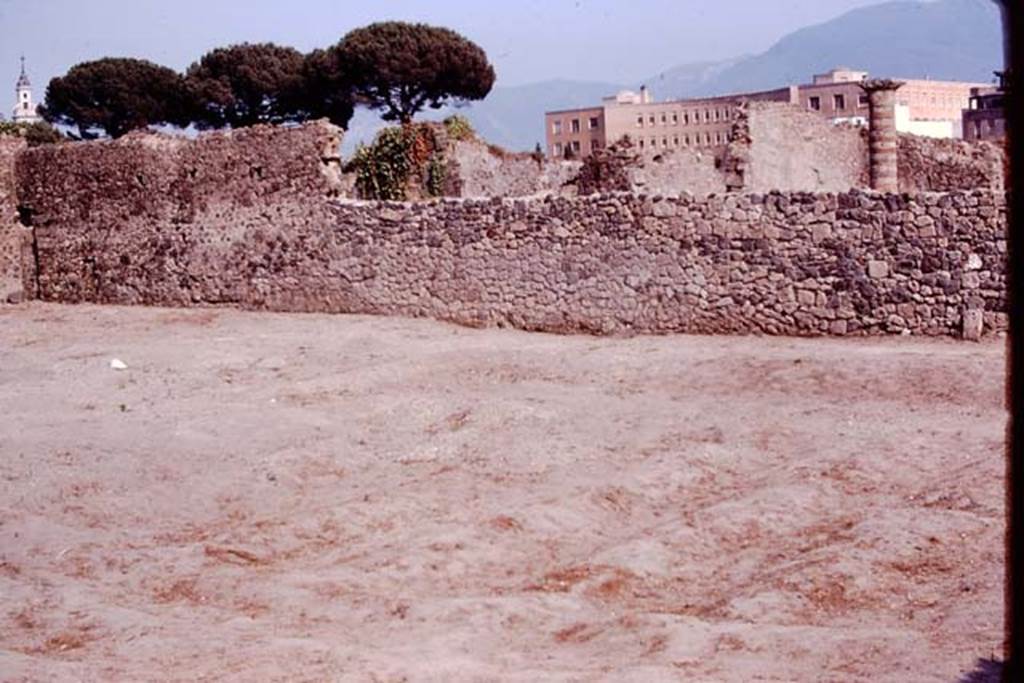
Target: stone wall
[[483, 172], [783, 147], [930, 164], [776, 146], [11, 232], [251, 219], [674, 172], [175, 195], [474, 168]]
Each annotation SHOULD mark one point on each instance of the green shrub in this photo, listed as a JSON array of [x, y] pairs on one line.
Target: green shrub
[[459, 128], [39, 133], [399, 155], [382, 169], [437, 175]]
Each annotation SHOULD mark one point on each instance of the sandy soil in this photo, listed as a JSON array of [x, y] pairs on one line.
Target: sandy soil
[[309, 498]]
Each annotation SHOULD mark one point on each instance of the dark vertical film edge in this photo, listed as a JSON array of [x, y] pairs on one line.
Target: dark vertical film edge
[[1013, 33]]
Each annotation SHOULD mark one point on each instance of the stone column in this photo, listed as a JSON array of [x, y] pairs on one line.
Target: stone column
[[882, 137]]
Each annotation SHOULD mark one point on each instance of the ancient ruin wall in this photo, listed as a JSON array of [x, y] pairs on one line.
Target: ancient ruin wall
[[783, 147], [248, 219], [174, 199], [674, 172], [930, 164], [482, 172], [11, 232]]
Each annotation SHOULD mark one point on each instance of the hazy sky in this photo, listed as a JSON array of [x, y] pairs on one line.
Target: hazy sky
[[527, 40]]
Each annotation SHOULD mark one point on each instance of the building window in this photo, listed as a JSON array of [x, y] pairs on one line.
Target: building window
[[717, 115], [650, 119], [640, 121], [839, 101], [556, 127], [664, 142], [575, 126], [718, 138], [862, 101], [675, 119], [707, 115], [814, 103], [686, 119], [641, 144], [707, 138], [686, 140], [594, 145], [24, 106], [558, 149], [664, 118], [594, 123], [575, 145], [675, 141]]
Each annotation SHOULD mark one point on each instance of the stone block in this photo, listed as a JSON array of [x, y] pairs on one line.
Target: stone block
[[972, 324], [821, 232], [970, 280], [878, 269]]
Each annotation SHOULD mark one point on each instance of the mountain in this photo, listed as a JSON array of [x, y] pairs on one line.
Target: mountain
[[940, 39], [688, 79], [958, 40]]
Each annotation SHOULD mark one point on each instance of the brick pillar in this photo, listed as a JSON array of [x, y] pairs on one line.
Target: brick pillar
[[882, 137]]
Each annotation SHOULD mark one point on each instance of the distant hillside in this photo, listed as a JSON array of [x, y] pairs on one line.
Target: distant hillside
[[945, 39], [688, 79]]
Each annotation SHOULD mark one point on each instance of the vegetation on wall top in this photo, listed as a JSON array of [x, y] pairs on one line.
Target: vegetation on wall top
[[404, 159], [38, 133]]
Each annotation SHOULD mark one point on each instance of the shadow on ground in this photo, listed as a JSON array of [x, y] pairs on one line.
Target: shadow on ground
[[987, 671]]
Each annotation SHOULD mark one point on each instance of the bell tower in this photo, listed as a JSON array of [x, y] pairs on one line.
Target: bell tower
[[24, 107]]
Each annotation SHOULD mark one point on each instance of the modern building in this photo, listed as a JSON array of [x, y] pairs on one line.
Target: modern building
[[924, 107], [985, 116], [25, 110], [699, 123]]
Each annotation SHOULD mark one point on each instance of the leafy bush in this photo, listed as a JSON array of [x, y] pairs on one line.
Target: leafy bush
[[382, 169], [437, 175], [35, 134], [399, 158], [459, 128]]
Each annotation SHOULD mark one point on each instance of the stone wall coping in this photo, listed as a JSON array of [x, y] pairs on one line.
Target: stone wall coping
[[638, 196]]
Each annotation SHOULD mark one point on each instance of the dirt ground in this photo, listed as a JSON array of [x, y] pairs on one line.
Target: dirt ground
[[264, 497]]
